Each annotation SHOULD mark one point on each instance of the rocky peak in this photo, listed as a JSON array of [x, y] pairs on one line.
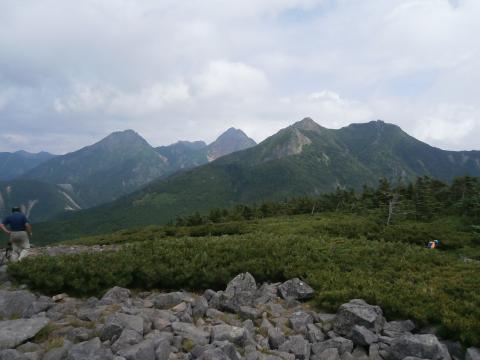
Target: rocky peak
[[307, 124], [230, 141]]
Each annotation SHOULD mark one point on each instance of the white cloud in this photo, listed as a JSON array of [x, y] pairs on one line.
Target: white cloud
[[74, 71]]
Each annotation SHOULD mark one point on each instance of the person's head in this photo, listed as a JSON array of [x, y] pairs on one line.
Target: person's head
[[437, 242], [16, 209]]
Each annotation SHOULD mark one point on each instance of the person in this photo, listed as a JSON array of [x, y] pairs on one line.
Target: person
[[433, 244], [19, 228]]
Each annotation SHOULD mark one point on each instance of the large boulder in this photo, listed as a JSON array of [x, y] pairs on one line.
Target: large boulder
[[299, 321], [240, 283], [143, 351], [15, 332], [472, 353], [424, 346], [358, 312], [12, 355], [233, 334], [127, 338], [115, 324], [296, 289], [240, 291], [189, 331], [89, 350], [341, 344], [15, 303], [116, 295], [298, 346], [362, 336]]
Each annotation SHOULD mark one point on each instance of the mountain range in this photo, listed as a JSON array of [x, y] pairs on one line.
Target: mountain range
[[117, 165], [302, 159]]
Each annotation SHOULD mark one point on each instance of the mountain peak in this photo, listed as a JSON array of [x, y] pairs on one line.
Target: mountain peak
[[307, 124], [230, 141], [122, 138]]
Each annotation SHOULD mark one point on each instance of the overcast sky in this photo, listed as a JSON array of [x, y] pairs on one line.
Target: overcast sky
[[73, 71]]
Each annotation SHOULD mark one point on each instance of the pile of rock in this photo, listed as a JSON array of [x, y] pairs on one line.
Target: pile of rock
[[245, 321]]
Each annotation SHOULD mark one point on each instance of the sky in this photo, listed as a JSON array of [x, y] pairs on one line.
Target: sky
[[71, 71]]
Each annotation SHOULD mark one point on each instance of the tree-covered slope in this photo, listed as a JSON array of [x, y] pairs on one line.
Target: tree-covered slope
[[18, 163], [39, 201], [303, 159]]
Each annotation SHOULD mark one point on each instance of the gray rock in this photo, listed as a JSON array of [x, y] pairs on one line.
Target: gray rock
[[233, 334], [168, 300], [326, 321], [422, 346], [142, 351], [455, 348], [116, 295], [472, 353], [200, 306], [15, 332], [79, 334], [58, 353], [343, 345], [327, 354], [275, 338], [36, 355], [15, 303], [314, 334], [117, 322], [127, 338], [162, 349], [4, 277], [89, 350], [359, 353], [296, 289], [362, 336], [298, 346], [240, 283], [299, 321], [12, 355], [374, 352], [189, 331], [404, 326], [28, 347], [266, 294], [358, 312], [214, 354], [213, 298], [248, 312]]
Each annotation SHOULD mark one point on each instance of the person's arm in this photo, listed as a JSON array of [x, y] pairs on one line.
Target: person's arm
[[4, 228], [29, 229]]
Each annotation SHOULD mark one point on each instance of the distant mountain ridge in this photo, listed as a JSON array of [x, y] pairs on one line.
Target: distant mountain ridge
[[123, 162], [302, 159], [15, 164]]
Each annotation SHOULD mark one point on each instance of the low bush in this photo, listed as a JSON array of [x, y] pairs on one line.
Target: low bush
[[408, 281]]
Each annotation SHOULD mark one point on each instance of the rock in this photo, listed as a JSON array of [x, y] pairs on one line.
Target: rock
[[15, 332], [314, 334], [266, 294], [58, 353], [116, 295], [298, 346], [127, 338], [4, 277], [162, 349], [142, 351], [240, 283], [299, 321], [328, 354], [275, 338], [404, 326], [167, 301], [15, 303], [89, 350], [422, 346], [213, 298], [28, 347], [117, 322], [296, 289], [326, 321], [189, 331], [455, 348], [12, 355], [79, 334], [214, 354], [343, 345], [248, 312], [358, 312], [362, 336], [199, 306], [472, 353], [233, 334]]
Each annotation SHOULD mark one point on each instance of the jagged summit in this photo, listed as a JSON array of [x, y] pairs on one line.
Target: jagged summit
[[307, 124], [230, 141]]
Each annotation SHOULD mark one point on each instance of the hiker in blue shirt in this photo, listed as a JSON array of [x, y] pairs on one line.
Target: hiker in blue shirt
[[18, 227]]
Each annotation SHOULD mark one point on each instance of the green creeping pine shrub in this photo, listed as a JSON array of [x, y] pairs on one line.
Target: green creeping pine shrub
[[407, 281]]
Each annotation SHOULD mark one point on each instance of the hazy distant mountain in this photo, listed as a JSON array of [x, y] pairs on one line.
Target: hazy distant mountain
[[186, 155], [303, 159], [15, 164], [40, 201], [229, 142], [117, 165]]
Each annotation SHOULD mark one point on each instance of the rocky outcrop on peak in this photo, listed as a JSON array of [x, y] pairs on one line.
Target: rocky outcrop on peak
[[245, 321]]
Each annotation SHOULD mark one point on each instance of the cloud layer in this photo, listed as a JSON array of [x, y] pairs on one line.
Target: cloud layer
[[71, 72]]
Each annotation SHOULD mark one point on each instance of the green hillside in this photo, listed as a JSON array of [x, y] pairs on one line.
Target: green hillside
[[39, 200], [303, 159], [15, 164]]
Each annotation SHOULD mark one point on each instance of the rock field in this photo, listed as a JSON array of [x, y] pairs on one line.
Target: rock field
[[245, 321]]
